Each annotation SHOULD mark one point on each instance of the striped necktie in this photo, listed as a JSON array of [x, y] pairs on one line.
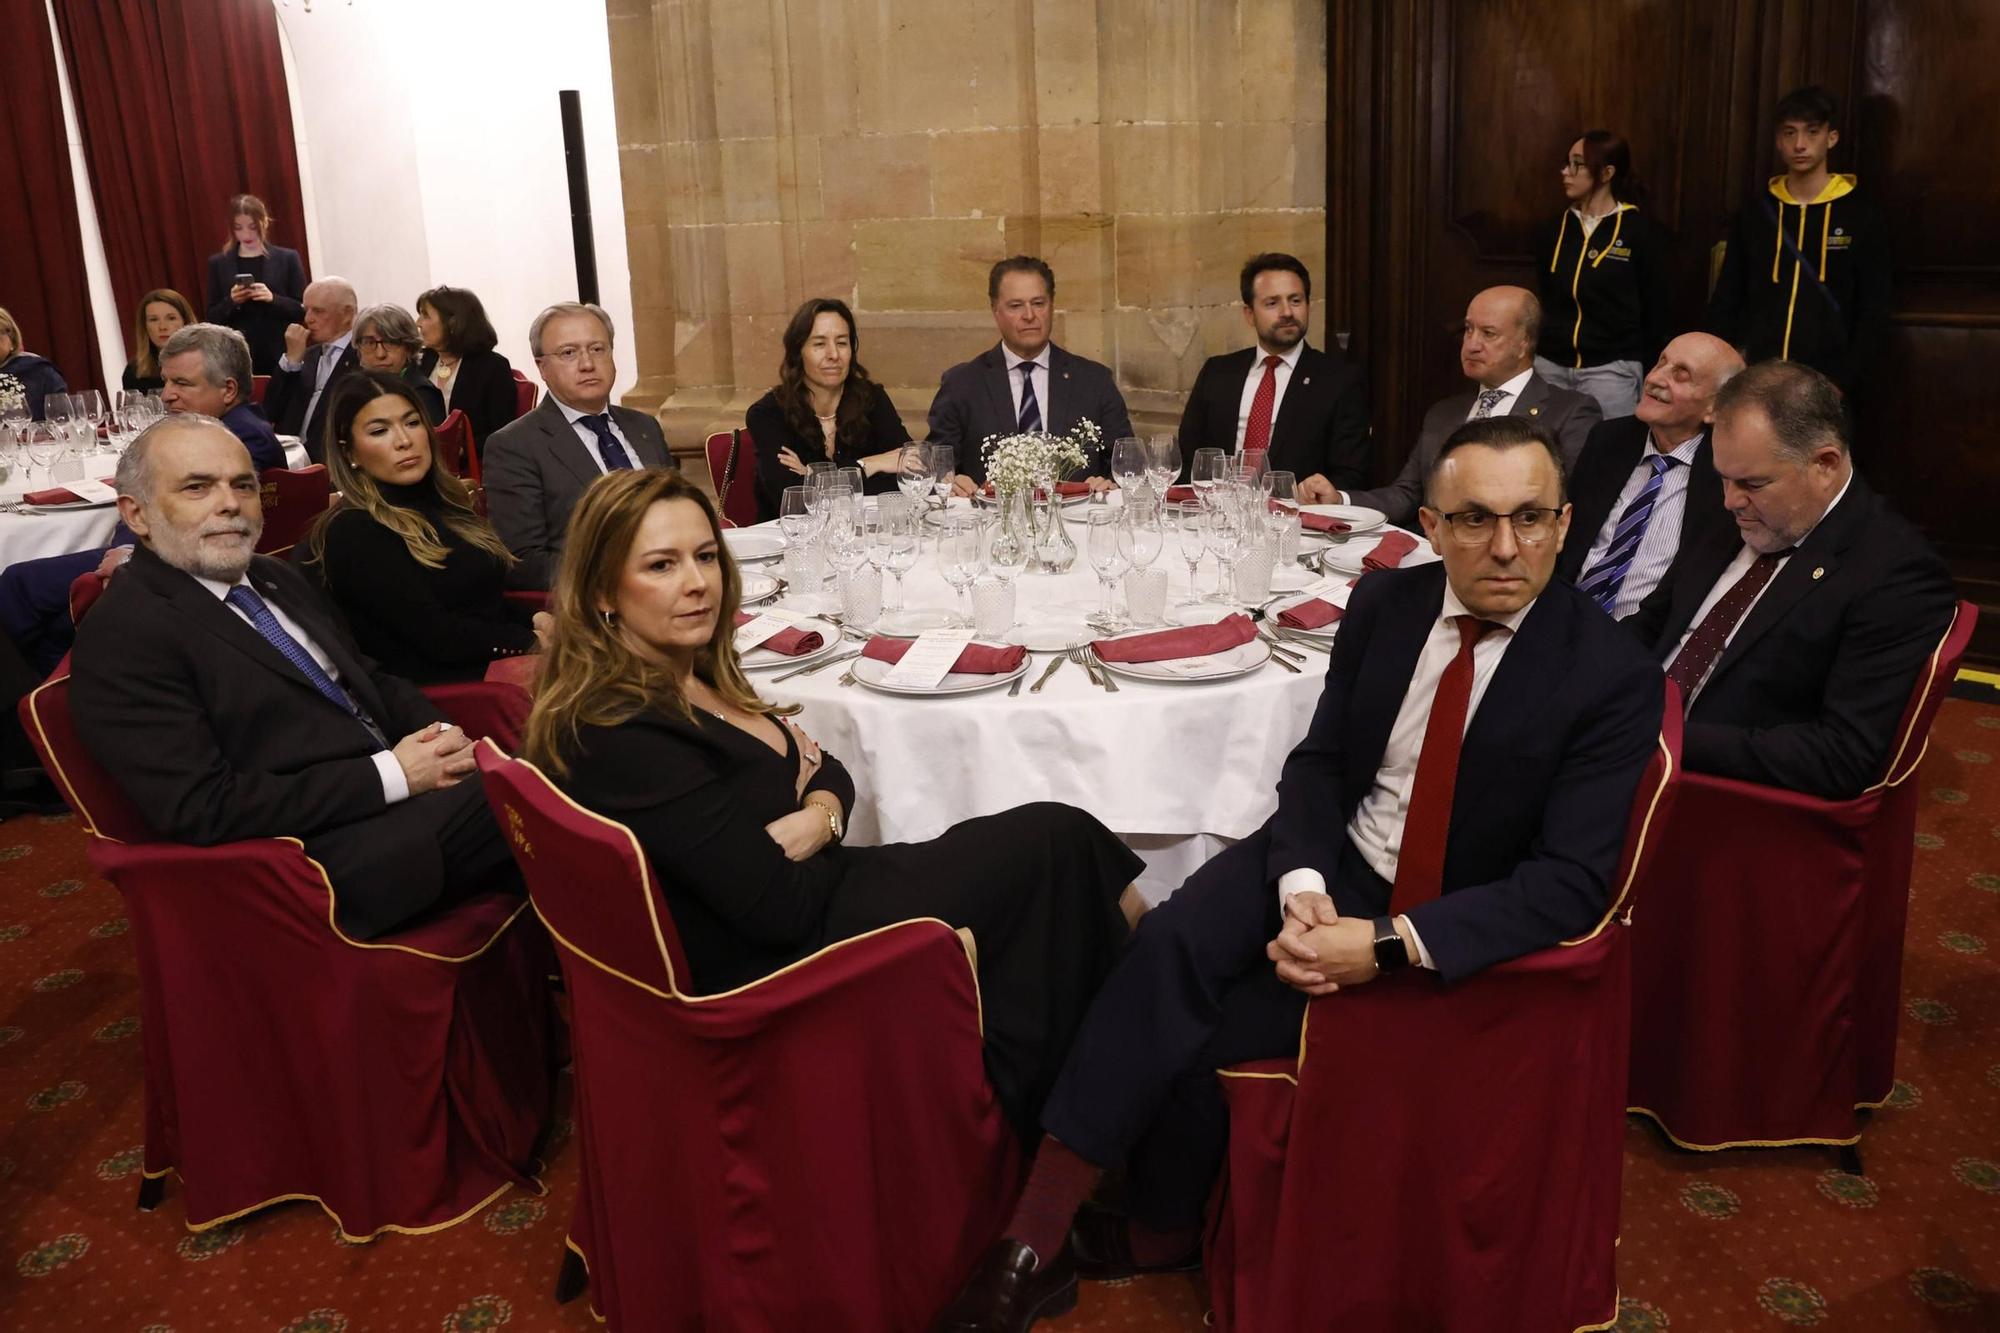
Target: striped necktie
[[1602, 580], [1031, 411]]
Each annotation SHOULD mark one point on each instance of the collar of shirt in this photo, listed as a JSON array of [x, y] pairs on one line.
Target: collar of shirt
[[1829, 509], [573, 415], [1290, 359], [1511, 622], [221, 590], [1680, 453], [338, 347], [1040, 360], [1511, 389]]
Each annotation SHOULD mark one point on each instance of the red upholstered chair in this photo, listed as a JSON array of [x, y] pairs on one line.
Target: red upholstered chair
[[528, 597], [1765, 984], [293, 498], [402, 1083], [454, 437], [259, 385], [1459, 1146], [524, 395], [84, 590], [732, 466], [817, 1150]]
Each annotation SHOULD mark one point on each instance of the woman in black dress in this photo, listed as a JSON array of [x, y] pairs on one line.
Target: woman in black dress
[[643, 714], [162, 312], [255, 287], [824, 407], [412, 565], [459, 359]]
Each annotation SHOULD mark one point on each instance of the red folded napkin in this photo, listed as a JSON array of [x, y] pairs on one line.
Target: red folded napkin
[[1186, 641], [516, 670], [1177, 495], [1063, 488], [58, 495], [1317, 522], [1315, 614], [975, 659], [794, 642], [1389, 552]]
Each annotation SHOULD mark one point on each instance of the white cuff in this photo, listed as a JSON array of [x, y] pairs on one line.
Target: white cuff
[[1294, 882], [1423, 954], [395, 782], [290, 366]]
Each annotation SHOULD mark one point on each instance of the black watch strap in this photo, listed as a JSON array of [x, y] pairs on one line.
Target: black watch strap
[[1390, 953]]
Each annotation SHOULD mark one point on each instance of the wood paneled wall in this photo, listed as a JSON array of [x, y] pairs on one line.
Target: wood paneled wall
[[1447, 121]]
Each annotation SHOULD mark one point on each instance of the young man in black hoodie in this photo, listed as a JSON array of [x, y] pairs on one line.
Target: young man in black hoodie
[[1806, 274]]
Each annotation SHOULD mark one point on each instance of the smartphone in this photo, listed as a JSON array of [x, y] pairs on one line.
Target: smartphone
[[245, 279]]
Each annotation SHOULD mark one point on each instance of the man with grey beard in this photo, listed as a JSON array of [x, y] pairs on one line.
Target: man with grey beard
[[219, 690]]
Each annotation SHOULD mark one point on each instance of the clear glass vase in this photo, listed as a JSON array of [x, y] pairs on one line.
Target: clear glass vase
[[1013, 545], [1055, 549]]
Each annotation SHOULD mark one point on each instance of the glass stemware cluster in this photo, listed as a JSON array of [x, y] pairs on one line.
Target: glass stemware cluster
[[1241, 509]]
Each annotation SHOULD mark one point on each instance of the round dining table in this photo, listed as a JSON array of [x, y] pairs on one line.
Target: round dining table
[[1177, 770]]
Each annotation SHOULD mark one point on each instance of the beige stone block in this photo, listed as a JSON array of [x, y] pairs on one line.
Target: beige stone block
[[1309, 40], [1077, 248], [652, 347], [749, 180], [1309, 165], [1159, 349], [642, 180], [926, 66], [623, 9], [1221, 330], [1084, 333], [1265, 151], [649, 260], [756, 347], [1148, 60], [1153, 168], [825, 73], [743, 50], [755, 258], [798, 178], [701, 271], [980, 173], [685, 71], [1066, 62], [927, 264], [701, 353], [1218, 78], [635, 79], [875, 176], [1270, 58], [1155, 260], [689, 181], [1069, 175], [1220, 247], [1300, 232], [1220, 186], [826, 260]]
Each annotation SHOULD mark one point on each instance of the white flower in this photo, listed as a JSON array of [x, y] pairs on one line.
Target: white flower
[[1034, 458]]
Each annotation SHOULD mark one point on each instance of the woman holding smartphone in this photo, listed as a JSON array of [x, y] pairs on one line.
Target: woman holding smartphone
[[255, 287]]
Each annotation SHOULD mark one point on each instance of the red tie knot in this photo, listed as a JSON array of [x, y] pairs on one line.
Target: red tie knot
[[1271, 361]]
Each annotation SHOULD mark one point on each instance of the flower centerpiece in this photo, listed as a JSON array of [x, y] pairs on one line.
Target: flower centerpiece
[[1023, 470]]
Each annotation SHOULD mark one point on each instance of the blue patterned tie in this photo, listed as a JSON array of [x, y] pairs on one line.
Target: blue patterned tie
[[1488, 400], [613, 453], [1031, 411], [1602, 580], [266, 624]]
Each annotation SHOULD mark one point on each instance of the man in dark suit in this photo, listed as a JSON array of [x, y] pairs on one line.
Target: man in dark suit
[[1645, 488], [1026, 382], [219, 691], [1797, 638], [1460, 799], [1308, 407], [1496, 350], [292, 399], [536, 467]]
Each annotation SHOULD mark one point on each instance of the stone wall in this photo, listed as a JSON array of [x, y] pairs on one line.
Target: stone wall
[[888, 151]]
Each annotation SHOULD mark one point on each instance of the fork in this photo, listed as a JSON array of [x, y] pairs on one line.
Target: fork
[[1278, 649], [1082, 659]]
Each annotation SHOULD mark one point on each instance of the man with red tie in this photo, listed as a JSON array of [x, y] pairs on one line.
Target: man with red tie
[[1459, 800]]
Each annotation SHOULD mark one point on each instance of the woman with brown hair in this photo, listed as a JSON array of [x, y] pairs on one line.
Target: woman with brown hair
[[255, 287], [824, 407], [415, 569], [161, 313], [644, 715], [459, 359]]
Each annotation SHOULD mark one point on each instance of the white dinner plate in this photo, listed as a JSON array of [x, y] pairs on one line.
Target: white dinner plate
[[869, 671], [1355, 517], [1052, 635], [71, 507], [1241, 660], [760, 587], [750, 546], [908, 624], [763, 659], [1346, 557], [1292, 578]]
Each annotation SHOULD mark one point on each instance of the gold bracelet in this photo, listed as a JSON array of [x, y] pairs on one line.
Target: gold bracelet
[[832, 819]]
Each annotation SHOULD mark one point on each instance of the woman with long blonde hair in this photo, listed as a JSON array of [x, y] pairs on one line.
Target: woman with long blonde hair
[[418, 571], [644, 715]]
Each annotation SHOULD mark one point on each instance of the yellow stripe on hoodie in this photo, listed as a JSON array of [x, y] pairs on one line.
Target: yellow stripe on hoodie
[[1837, 186]]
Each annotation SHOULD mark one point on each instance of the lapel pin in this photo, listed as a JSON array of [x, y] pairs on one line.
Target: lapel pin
[[1307, 380], [1534, 411], [1819, 572]]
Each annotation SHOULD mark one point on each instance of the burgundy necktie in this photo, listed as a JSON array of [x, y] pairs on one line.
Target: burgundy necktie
[[1257, 434], [1420, 860], [1698, 654]]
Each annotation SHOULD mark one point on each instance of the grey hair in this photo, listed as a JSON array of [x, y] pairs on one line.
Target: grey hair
[[391, 323], [1531, 317], [225, 355], [135, 466], [569, 308], [1803, 407], [341, 287]]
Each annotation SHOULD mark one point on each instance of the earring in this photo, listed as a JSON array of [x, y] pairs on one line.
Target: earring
[[610, 619]]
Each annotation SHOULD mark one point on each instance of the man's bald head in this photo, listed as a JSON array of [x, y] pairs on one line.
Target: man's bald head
[[330, 305], [1497, 340], [1678, 398]]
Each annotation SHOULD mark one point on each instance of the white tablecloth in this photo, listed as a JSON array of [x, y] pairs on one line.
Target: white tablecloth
[[1177, 771], [35, 536]]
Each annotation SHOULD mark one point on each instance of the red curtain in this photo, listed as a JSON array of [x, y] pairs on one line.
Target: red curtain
[[42, 282], [182, 103]]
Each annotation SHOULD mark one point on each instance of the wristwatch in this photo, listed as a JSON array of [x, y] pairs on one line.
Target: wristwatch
[[1390, 952]]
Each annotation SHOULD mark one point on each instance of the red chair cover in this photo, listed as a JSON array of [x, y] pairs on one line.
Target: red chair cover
[[817, 1150], [732, 466], [84, 590], [259, 384], [401, 1084], [293, 498], [1766, 983], [491, 708], [1459, 1147], [454, 437], [524, 395]]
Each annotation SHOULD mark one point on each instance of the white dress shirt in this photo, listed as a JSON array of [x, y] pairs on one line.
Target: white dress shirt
[[1282, 372], [1376, 830], [395, 783], [1041, 377], [1735, 570], [1509, 393], [1663, 530], [589, 436]]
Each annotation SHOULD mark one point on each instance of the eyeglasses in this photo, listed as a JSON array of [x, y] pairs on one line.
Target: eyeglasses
[[1568, 167], [568, 355], [1475, 527], [374, 344]]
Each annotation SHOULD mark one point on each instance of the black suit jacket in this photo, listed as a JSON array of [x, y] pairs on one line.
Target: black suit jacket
[[285, 398], [1566, 415], [1810, 690], [216, 737], [262, 323], [1322, 422], [975, 401], [1613, 449], [771, 432], [1545, 777], [484, 390], [536, 468]]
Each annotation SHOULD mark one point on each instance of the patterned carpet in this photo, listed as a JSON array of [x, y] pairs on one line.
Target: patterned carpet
[[1731, 1241]]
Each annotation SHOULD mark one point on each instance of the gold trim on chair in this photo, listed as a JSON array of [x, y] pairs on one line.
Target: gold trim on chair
[[1639, 853], [345, 1234], [589, 1291], [1890, 778], [61, 776], [327, 883], [1680, 1142]]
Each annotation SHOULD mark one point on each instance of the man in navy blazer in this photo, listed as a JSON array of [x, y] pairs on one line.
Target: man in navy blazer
[[1026, 382], [317, 353], [1561, 716]]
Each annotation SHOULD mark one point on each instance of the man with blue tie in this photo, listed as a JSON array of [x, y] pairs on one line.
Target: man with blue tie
[[298, 387], [535, 468], [219, 690], [1645, 487], [1027, 382]]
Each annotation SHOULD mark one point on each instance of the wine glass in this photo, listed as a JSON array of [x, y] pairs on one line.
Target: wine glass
[[57, 409], [795, 515], [944, 459], [961, 559], [1140, 535], [913, 471], [1105, 548], [846, 536], [852, 480], [902, 544], [90, 406], [46, 442], [1163, 462], [1280, 491], [1223, 534], [1193, 540], [1128, 462], [1206, 470]]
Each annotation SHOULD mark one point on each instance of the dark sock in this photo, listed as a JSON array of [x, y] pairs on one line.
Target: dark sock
[[1058, 1183], [1152, 1248]]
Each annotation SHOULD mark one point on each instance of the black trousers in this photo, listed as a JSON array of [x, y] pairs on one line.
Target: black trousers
[[1193, 993]]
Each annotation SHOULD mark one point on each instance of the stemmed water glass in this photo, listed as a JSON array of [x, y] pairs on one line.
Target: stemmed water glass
[[1128, 463], [913, 471], [1280, 495], [1224, 535], [1187, 521], [944, 459], [1140, 535], [1163, 462], [1105, 548], [46, 442], [961, 559], [1207, 468], [89, 405], [900, 543]]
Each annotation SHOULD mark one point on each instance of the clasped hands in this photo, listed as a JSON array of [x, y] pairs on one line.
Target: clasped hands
[[436, 757], [1318, 950]]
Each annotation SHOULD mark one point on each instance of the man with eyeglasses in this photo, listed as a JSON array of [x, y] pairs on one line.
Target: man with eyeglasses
[[1460, 799], [535, 468]]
